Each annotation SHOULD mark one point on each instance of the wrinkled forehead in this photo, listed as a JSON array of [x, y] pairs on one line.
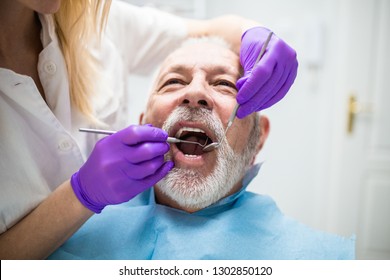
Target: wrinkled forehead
[[204, 56]]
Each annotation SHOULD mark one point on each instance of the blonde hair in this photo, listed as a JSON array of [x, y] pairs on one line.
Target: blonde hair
[[78, 24]]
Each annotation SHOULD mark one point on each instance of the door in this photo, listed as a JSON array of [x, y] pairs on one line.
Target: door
[[360, 190]]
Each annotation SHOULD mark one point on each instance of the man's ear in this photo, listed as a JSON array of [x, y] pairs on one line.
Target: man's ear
[[264, 129], [141, 118]]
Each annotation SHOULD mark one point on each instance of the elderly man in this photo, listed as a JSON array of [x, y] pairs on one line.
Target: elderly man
[[201, 209]]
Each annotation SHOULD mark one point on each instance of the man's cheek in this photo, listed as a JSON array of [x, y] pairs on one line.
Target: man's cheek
[[158, 119]]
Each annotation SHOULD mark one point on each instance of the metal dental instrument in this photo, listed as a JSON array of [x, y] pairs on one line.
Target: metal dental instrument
[[215, 145], [169, 139], [262, 51]]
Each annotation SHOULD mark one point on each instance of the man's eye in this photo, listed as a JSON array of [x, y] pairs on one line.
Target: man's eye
[[225, 83], [173, 82]]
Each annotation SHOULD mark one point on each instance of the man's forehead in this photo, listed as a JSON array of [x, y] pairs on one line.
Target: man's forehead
[[210, 57]]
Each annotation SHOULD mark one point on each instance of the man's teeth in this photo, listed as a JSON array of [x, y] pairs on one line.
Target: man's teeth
[[185, 129], [190, 156]]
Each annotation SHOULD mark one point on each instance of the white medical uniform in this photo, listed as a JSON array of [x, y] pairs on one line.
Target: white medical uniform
[[40, 146]]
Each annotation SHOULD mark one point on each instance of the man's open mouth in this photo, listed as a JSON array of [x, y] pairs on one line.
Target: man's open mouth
[[192, 134]]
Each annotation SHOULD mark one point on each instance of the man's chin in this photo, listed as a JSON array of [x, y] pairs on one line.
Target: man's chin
[[188, 190]]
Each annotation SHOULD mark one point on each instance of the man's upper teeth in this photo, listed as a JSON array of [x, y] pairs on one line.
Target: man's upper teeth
[[185, 129]]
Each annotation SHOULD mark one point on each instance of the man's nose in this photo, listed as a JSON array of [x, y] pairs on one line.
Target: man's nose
[[198, 95]]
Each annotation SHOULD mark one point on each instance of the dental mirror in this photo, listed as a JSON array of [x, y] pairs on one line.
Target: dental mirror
[[210, 147], [175, 140]]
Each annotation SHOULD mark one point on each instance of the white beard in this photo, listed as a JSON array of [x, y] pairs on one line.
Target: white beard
[[188, 187]]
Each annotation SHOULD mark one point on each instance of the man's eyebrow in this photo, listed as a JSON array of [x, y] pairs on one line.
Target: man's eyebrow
[[226, 70], [215, 70], [177, 69]]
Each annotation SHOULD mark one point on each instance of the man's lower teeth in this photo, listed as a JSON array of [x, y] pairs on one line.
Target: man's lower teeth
[[192, 156]]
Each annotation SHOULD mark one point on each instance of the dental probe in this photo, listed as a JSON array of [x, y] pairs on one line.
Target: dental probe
[[216, 145], [262, 51], [110, 132]]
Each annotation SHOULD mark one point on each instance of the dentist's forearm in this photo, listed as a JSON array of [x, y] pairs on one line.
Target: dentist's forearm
[[229, 27], [43, 230]]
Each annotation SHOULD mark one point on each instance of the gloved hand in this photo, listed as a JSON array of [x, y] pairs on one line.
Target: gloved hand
[[121, 166], [271, 78]]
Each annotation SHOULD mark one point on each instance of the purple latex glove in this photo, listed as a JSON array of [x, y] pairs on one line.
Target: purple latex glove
[[272, 77], [121, 166]]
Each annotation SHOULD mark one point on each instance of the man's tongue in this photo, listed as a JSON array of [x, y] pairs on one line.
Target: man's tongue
[[191, 149]]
